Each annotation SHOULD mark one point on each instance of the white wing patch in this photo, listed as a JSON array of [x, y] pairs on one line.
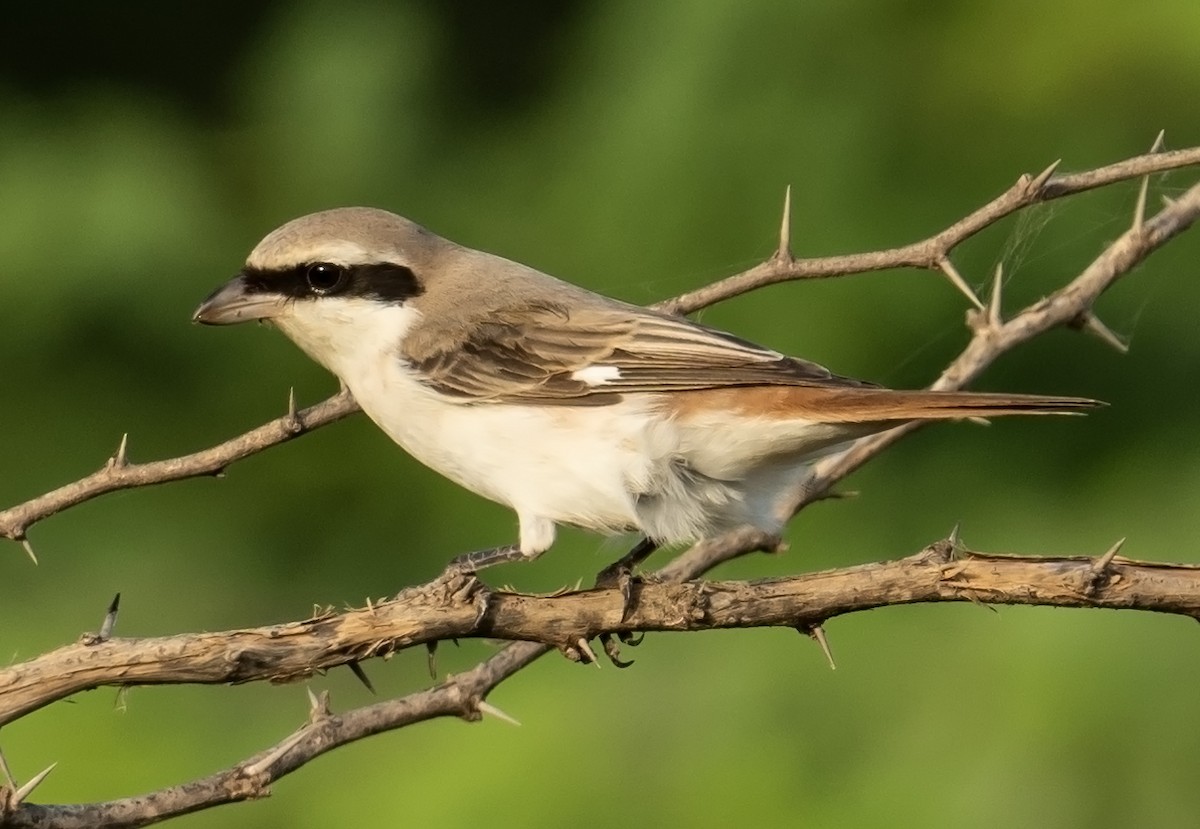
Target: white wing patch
[[597, 375]]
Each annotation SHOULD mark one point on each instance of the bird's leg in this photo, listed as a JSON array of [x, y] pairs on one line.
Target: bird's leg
[[481, 559], [619, 574], [461, 583]]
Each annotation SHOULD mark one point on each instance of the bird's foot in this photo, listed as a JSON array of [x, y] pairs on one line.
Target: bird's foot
[[459, 582], [580, 650], [620, 575], [612, 646], [460, 585]]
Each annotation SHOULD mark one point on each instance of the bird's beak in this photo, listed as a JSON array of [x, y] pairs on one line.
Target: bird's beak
[[232, 303]]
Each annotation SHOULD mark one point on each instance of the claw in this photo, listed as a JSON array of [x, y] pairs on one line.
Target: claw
[[612, 649]]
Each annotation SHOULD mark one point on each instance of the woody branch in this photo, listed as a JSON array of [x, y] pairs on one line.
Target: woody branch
[[944, 571], [569, 621]]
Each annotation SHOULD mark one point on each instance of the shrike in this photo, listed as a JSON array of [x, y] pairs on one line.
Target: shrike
[[566, 406]]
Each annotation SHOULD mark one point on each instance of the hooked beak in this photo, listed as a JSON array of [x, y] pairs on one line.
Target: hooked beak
[[233, 303]]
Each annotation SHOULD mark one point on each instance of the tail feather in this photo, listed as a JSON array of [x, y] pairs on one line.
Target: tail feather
[[731, 432], [884, 405], [863, 404]]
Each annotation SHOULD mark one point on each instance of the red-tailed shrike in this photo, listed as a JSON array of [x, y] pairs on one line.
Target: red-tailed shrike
[[562, 404]]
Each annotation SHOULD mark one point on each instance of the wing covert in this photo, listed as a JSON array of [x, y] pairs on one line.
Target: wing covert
[[591, 356]]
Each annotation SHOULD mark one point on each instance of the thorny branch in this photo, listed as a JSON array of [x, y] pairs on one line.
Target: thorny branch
[[118, 473], [298, 650], [930, 253], [941, 572]]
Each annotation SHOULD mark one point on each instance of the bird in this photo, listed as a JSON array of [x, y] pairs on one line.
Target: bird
[[566, 406]]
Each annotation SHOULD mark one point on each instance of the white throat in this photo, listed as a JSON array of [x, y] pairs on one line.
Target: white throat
[[349, 335]]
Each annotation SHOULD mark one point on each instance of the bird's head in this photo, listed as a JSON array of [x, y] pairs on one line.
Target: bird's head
[[328, 280]]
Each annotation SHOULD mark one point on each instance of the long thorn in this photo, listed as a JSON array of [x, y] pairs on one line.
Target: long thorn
[[8, 778], [817, 634], [1101, 564], [110, 619], [358, 671], [292, 418], [431, 658], [122, 457], [20, 794], [29, 549], [784, 253], [955, 540], [1139, 210], [1159, 142], [947, 267], [995, 319], [1039, 181], [585, 650], [485, 707], [1092, 325]]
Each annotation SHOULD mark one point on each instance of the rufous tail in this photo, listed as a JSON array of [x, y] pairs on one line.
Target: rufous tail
[[861, 405]]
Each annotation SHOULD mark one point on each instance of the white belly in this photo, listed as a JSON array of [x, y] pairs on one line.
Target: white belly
[[571, 464], [604, 468]]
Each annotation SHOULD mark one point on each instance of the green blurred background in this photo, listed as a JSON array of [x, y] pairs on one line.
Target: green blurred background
[[641, 149]]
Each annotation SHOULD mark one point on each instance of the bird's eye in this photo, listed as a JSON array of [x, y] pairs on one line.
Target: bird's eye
[[324, 278]]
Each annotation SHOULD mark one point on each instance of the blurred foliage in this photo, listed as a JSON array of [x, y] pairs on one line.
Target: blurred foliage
[[641, 149]]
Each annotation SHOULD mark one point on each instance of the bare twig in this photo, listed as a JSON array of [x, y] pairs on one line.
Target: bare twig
[[942, 572], [119, 474], [931, 253]]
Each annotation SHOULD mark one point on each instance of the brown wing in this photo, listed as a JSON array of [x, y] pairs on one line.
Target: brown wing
[[590, 356]]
